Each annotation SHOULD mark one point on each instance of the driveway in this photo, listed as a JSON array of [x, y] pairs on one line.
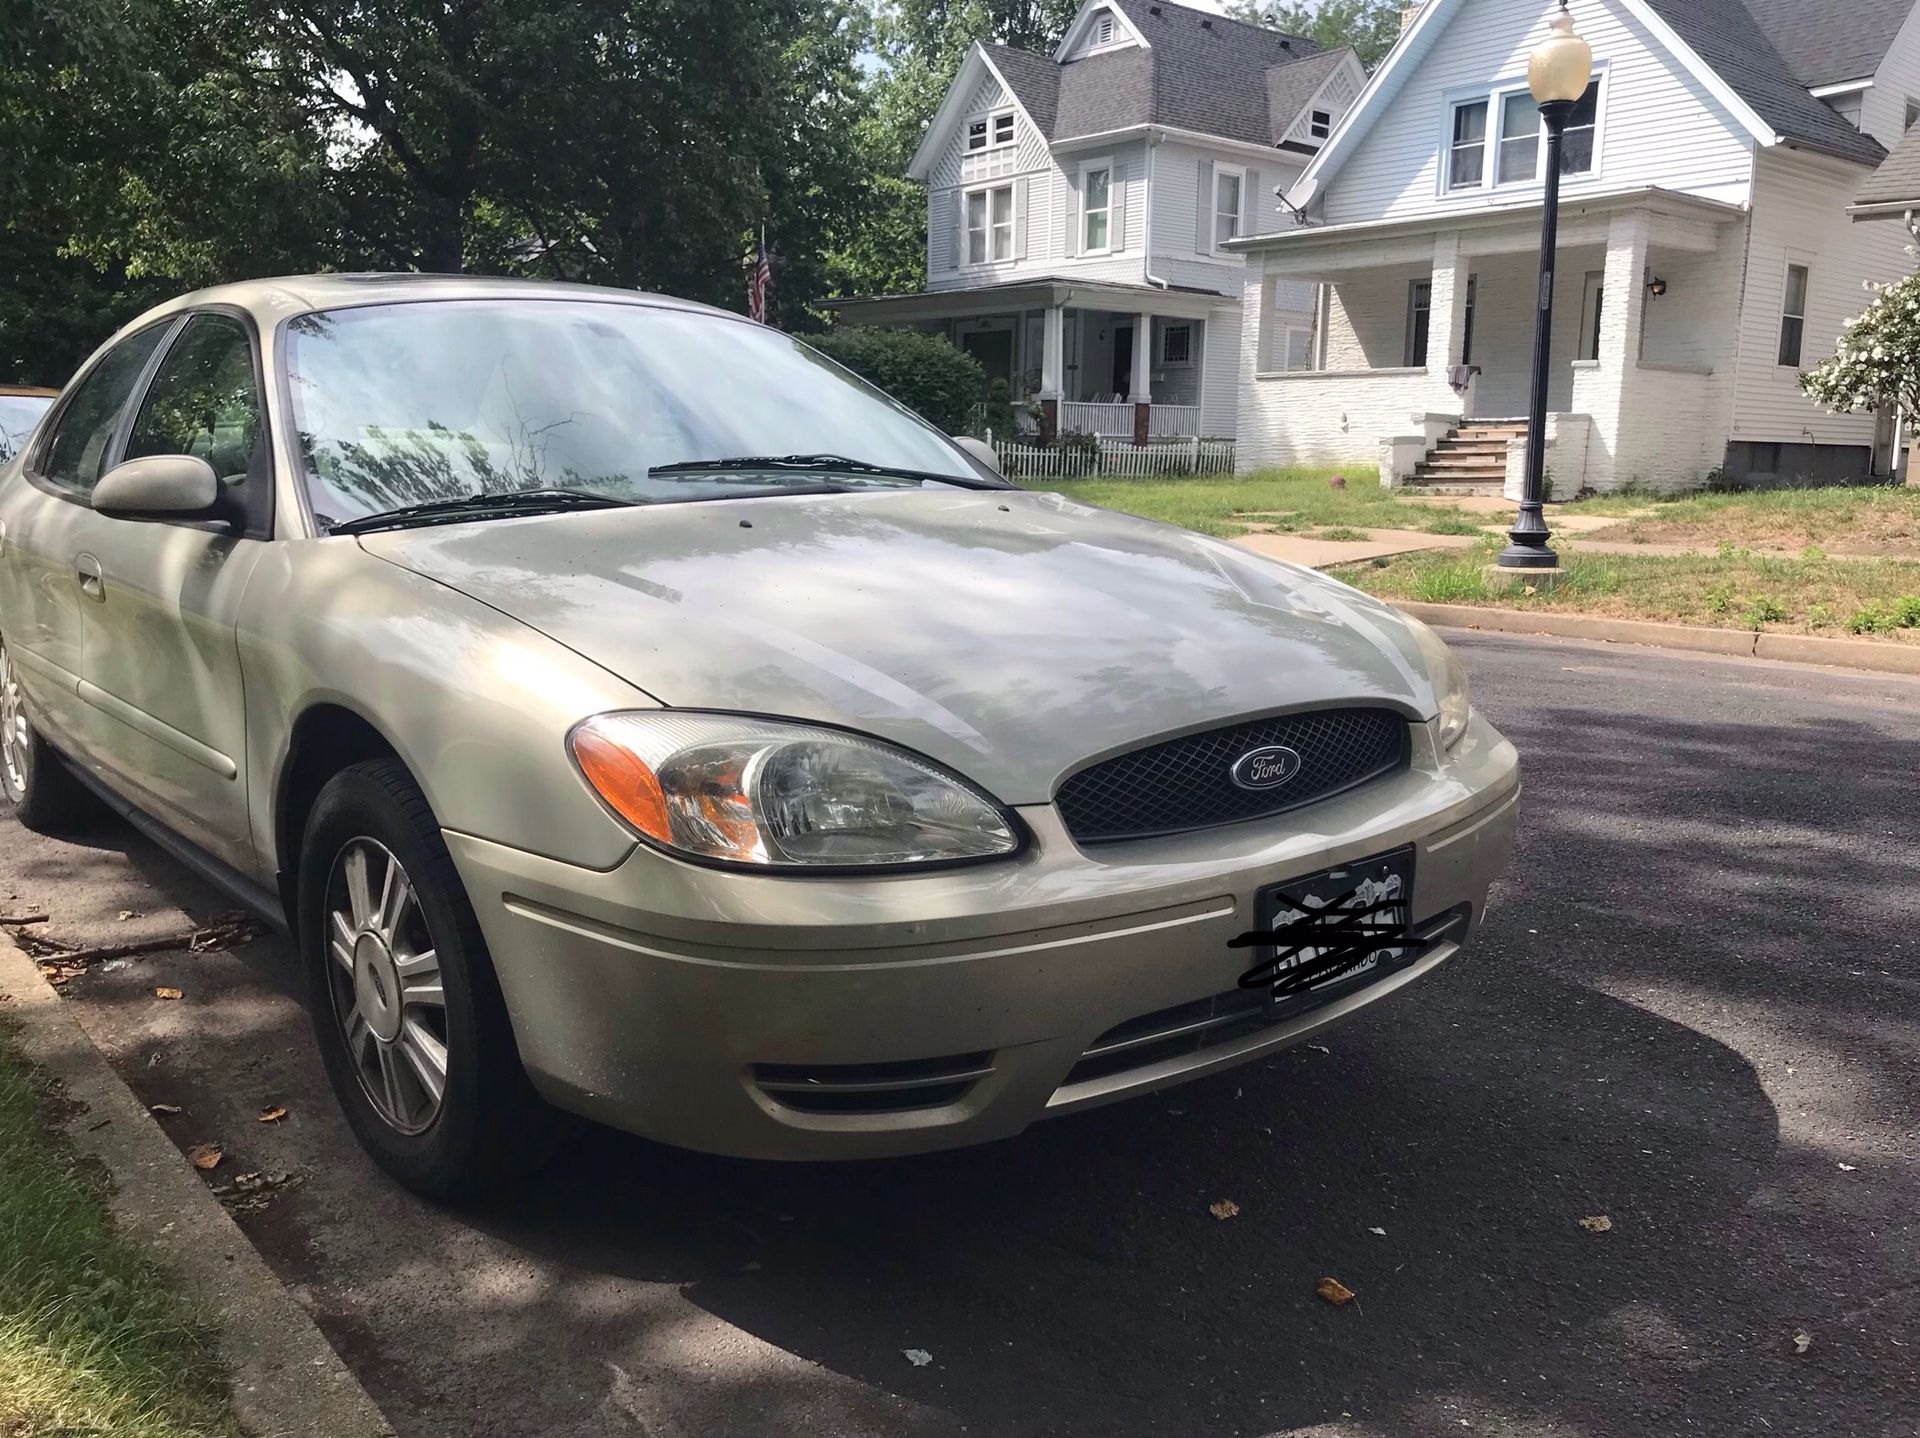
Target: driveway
[[1695, 1011]]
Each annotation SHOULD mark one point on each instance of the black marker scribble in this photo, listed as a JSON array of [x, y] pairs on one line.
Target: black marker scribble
[[1348, 936]]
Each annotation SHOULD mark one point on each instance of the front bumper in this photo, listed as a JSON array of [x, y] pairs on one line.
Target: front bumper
[[833, 1017]]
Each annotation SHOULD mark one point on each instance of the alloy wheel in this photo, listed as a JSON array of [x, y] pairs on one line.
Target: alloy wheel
[[16, 739], [386, 985]]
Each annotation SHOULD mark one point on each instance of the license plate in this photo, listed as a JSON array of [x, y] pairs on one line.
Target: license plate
[[1334, 927]]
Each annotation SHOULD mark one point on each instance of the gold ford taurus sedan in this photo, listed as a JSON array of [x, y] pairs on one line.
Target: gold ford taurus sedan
[[630, 711]]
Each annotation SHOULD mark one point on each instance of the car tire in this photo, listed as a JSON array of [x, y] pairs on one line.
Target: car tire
[[45, 795], [383, 1021]]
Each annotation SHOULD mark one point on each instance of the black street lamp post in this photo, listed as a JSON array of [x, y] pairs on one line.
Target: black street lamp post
[[1557, 74]]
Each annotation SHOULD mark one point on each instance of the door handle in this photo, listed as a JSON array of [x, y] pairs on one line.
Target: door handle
[[87, 570]]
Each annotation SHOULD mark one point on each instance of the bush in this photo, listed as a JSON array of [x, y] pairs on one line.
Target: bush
[[1000, 412], [935, 379], [1869, 621], [1763, 611], [1906, 611]]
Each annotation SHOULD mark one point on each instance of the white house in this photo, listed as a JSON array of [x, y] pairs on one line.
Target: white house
[[1079, 206], [1706, 252]]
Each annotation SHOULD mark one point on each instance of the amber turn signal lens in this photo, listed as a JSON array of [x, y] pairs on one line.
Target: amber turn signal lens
[[621, 778]]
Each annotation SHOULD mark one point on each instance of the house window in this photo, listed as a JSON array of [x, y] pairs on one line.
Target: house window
[[1913, 114], [1228, 183], [1467, 166], [1096, 186], [1516, 129], [1466, 331], [1519, 138], [1176, 345], [990, 131], [1292, 346], [1793, 316], [1320, 124], [1419, 321], [1593, 297], [990, 225], [1576, 150]]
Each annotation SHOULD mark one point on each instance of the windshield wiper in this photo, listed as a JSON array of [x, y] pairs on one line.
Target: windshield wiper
[[480, 506], [813, 464]]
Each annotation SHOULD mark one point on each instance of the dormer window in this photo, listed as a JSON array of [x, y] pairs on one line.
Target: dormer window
[[1320, 124], [990, 132]]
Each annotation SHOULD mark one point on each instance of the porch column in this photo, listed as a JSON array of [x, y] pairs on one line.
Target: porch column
[[1447, 317], [1142, 378], [1052, 369], [1621, 449]]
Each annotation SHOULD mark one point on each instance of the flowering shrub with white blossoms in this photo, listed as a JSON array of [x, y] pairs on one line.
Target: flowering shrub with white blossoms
[[1877, 362]]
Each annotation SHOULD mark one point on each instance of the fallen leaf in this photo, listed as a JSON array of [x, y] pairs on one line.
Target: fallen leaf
[[918, 1357], [1223, 1208], [1802, 1341], [1334, 1291], [1596, 1223], [1380, 1231], [163, 1110], [1848, 1167], [126, 914], [1320, 1048], [205, 1156], [166, 991], [272, 1113]]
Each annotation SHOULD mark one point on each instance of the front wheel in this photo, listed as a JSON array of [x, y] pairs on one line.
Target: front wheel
[[403, 997], [44, 794]]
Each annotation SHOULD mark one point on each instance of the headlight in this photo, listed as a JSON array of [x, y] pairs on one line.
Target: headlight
[[1449, 682], [775, 795]]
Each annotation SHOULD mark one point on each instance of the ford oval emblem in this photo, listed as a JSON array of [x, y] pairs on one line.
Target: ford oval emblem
[[1266, 768]]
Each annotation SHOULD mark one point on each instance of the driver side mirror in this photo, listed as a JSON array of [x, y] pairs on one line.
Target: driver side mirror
[[159, 486], [979, 449]]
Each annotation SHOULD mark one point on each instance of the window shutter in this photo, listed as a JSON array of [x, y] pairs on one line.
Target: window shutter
[[1250, 204], [1117, 198], [1203, 225], [959, 228], [1021, 190], [1069, 216]]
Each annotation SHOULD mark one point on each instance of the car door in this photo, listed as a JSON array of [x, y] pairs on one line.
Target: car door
[[160, 666], [42, 512]]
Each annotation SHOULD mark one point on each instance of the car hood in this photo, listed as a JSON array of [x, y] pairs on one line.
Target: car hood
[[1011, 636]]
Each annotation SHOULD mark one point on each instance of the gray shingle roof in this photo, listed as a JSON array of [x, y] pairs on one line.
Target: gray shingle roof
[[1729, 37], [1828, 42], [1897, 182], [1203, 72]]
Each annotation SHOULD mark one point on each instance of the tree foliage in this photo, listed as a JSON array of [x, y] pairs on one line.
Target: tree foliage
[[935, 379], [1369, 26], [1876, 364]]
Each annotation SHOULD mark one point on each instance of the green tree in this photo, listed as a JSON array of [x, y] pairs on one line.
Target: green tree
[[935, 379], [1876, 364], [1369, 26]]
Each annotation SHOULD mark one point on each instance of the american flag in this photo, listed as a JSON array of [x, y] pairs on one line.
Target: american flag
[[760, 285]]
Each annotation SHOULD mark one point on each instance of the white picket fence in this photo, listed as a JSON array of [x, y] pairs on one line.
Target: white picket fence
[[1129, 461]]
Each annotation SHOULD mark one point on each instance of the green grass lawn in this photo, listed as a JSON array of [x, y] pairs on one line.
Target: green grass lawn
[[1735, 589], [1855, 519], [1290, 500], [92, 1342]]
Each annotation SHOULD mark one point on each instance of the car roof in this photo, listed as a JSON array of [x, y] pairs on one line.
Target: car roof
[[274, 299]]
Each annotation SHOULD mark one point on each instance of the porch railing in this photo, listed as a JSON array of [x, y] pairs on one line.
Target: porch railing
[[1084, 417], [1125, 460], [1164, 420]]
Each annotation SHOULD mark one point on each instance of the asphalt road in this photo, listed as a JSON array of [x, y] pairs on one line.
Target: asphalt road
[[1695, 1010]]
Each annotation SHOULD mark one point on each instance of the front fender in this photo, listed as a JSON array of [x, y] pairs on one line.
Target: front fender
[[475, 703]]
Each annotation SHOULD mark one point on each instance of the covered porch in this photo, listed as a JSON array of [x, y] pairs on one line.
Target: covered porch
[[1123, 362], [1386, 339]]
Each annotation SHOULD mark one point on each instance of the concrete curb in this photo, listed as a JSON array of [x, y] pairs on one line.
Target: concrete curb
[[1793, 648], [287, 1381]]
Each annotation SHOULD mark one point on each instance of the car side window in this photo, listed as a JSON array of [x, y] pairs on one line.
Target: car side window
[[203, 401], [77, 452]]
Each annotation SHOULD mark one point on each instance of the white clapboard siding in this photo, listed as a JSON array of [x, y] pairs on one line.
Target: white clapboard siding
[[1659, 125], [1883, 108]]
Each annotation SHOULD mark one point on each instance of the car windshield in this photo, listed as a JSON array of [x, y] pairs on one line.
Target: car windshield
[[19, 413], [436, 401]]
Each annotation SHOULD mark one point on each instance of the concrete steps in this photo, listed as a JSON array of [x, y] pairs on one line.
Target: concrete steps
[[1472, 459]]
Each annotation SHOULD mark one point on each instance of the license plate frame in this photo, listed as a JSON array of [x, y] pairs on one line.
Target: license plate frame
[[1375, 930]]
